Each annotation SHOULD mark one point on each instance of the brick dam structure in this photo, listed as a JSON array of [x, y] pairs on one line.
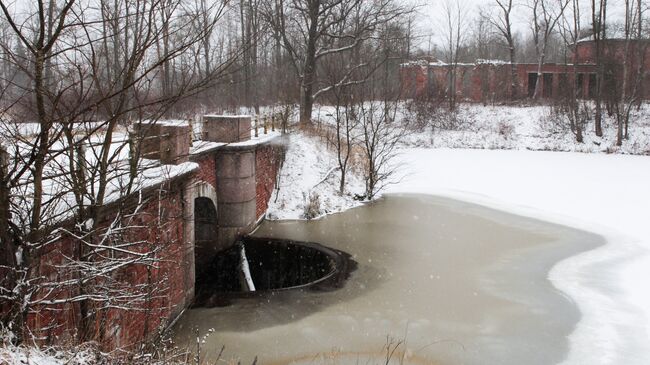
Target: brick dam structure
[[216, 190], [236, 179]]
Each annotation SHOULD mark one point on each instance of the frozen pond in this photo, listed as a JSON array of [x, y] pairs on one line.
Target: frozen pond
[[457, 283]]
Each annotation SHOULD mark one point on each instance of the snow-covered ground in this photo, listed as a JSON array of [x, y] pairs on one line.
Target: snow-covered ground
[[536, 128], [524, 128], [606, 191], [310, 171], [34, 356]]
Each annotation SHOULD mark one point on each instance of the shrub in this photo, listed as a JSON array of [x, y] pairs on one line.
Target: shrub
[[505, 129], [312, 206]]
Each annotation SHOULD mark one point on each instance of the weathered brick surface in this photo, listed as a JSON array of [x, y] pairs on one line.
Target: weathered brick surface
[[267, 165], [228, 129], [207, 169], [157, 227], [488, 82], [54, 323]]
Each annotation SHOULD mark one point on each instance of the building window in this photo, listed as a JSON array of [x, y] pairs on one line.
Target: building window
[[532, 83], [593, 86], [580, 84], [548, 85], [564, 89]]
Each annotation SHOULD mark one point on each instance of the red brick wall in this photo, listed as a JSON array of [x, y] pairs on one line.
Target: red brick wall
[[485, 82], [585, 53], [54, 323], [491, 82], [268, 159], [414, 80], [639, 58], [207, 171], [163, 224], [160, 225]]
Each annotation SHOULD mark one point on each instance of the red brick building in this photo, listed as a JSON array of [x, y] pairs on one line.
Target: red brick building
[[490, 81]]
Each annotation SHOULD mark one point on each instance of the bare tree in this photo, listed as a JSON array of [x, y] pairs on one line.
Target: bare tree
[[502, 21], [345, 119], [250, 35], [545, 16], [381, 135], [632, 77], [599, 30], [377, 112], [570, 29], [454, 31], [93, 71], [314, 29]]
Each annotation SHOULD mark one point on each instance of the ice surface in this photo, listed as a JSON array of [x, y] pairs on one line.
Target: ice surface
[[605, 194]]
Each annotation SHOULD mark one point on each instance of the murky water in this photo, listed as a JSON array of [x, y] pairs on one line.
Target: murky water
[[445, 282]]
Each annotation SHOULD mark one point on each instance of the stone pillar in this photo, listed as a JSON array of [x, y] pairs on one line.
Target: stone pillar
[[167, 142], [226, 129], [175, 144], [236, 194], [148, 137]]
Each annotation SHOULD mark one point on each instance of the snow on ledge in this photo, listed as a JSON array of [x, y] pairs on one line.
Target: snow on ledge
[[228, 116], [261, 139], [199, 147]]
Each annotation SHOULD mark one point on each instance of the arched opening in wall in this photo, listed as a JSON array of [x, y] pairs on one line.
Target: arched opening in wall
[[205, 233], [255, 266]]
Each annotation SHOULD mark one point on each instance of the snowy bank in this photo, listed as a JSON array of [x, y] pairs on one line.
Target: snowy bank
[[310, 172], [536, 128]]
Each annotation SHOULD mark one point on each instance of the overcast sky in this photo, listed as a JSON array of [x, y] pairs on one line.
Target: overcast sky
[[432, 15]]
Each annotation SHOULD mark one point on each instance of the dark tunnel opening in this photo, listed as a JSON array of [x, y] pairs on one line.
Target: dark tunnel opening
[[274, 265]]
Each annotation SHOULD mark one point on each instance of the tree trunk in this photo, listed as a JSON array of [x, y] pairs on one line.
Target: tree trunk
[[576, 105], [452, 88], [7, 247], [244, 13], [43, 140], [623, 116], [514, 93], [538, 82], [309, 66], [599, 23], [619, 129], [598, 117], [306, 102], [206, 40], [579, 136]]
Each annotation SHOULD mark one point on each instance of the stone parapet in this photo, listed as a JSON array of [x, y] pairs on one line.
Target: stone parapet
[[226, 129], [168, 142]]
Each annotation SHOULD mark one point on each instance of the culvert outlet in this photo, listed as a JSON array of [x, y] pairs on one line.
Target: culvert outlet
[[273, 265]]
